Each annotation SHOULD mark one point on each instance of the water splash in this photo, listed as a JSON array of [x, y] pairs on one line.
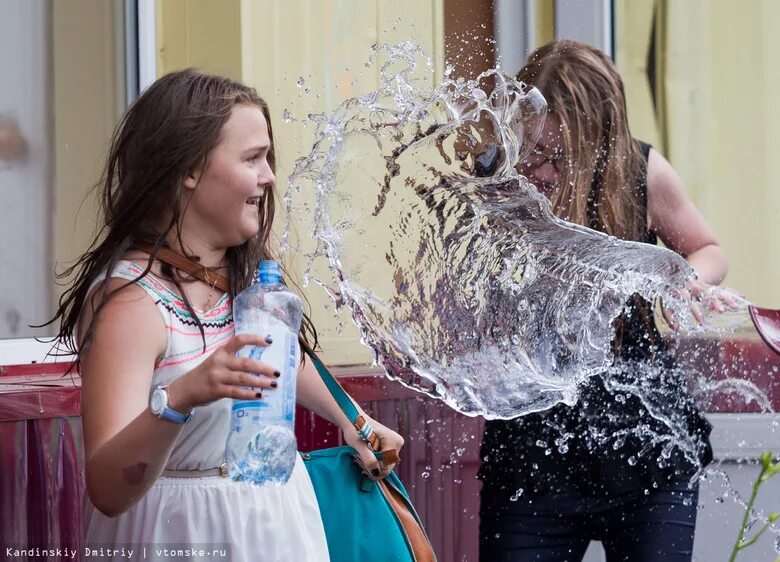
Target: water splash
[[479, 295], [476, 294]]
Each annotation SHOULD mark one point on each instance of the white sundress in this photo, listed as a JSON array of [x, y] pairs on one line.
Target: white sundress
[[215, 516]]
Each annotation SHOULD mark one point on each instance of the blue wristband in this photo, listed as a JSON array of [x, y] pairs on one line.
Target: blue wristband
[[158, 404], [174, 416]]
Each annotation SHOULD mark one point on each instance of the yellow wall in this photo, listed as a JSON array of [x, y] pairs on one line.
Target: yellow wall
[[724, 138], [545, 22], [269, 44], [87, 104], [718, 119], [633, 30], [200, 33]]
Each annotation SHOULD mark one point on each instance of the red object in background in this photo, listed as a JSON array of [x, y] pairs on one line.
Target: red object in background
[[719, 362], [41, 456], [767, 322]]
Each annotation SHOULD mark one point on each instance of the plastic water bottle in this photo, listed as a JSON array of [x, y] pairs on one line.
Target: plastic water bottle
[[261, 446]]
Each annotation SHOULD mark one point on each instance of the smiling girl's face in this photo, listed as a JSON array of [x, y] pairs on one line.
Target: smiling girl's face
[[226, 197]]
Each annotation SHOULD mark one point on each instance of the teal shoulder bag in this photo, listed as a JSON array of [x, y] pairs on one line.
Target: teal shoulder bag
[[363, 519]]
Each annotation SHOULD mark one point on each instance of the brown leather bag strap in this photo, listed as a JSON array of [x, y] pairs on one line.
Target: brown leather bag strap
[[208, 275], [418, 540]]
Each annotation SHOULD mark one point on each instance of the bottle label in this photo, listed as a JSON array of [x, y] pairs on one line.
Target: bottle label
[[277, 404]]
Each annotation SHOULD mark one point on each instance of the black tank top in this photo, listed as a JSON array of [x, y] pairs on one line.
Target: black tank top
[[592, 448]]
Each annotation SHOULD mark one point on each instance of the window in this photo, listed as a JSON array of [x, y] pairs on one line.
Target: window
[[65, 83]]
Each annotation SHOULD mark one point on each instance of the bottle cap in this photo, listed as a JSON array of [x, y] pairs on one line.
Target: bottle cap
[[269, 272]]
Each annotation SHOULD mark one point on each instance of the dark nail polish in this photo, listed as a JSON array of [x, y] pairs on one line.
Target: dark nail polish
[[269, 339], [274, 384], [258, 394], [375, 471], [277, 374]]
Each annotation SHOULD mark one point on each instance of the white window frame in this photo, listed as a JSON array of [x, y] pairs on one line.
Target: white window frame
[[514, 27], [26, 351], [147, 43], [588, 21]]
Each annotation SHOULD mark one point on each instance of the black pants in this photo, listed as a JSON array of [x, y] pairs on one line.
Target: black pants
[[654, 527]]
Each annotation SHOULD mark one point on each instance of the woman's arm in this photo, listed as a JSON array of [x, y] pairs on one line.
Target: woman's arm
[[315, 396], [673, 216], [126, 446]]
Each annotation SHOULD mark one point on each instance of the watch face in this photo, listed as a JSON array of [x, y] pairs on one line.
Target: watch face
[[158, 401]]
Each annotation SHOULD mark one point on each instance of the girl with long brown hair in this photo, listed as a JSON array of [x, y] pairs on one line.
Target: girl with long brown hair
[[556, 480], [190, 174]]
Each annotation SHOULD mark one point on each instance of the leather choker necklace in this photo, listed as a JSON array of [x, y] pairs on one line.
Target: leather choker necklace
[[209, 275]]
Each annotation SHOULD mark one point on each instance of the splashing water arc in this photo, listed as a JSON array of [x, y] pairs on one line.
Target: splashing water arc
[[474, 292]]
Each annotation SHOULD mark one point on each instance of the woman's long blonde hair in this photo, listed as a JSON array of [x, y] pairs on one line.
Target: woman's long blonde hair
[[602, 161]]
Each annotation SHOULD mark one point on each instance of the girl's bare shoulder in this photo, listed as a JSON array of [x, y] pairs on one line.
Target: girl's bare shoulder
[[124, 310]]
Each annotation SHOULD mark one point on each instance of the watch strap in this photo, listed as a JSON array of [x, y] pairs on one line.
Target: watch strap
[[174, 416], [170, 414]]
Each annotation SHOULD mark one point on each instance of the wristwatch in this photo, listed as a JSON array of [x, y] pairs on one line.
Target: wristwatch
[[158, 404]]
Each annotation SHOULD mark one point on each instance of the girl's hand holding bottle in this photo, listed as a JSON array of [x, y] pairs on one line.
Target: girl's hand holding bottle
[[223, 375]]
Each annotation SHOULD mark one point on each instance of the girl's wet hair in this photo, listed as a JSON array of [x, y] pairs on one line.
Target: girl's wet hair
[[602, 162], [166, 134]]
